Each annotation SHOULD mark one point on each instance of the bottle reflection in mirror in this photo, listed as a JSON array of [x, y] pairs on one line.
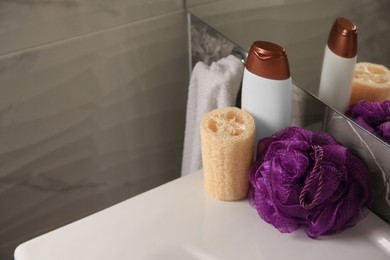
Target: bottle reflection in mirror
[[339, 64]]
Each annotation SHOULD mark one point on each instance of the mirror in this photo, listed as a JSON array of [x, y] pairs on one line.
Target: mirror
[[301, 27], [208, 45]]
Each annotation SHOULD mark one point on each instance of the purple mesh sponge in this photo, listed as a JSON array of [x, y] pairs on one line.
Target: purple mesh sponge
[[373, 116], [307, 179]]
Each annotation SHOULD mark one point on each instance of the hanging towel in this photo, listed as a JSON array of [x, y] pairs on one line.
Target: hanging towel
[[211, 87]]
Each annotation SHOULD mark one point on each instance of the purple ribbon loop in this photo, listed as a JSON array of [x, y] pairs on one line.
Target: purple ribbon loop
[[316, 171]]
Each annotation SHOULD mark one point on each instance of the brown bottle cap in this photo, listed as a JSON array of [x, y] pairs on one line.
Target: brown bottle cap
[[343, 38], [268, 60]]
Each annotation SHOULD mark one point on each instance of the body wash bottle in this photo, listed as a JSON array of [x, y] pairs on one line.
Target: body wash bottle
[[267, 87], [339, 65]]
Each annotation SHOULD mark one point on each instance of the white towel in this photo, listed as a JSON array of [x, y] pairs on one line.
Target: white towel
[[211, 87]]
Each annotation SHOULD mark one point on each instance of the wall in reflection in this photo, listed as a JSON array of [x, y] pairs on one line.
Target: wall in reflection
[[302, 27], [92, 108]]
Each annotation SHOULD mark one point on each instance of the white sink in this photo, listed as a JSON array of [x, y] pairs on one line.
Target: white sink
[[180, 221]]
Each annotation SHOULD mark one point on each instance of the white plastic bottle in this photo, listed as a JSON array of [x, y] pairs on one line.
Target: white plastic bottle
[[267, 87], [339, 65]]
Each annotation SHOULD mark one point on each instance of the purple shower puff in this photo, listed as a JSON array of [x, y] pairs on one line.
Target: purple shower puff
[[373, 116], [308, 179]]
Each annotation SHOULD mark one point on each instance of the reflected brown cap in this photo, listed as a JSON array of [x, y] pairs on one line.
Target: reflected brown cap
[[268, 60], [343, 38]]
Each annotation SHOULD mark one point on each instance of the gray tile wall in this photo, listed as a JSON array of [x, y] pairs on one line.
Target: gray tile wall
[[92, 107]]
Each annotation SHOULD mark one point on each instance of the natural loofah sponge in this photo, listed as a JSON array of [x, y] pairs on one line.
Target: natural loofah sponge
[[371, 82], [227, 141]]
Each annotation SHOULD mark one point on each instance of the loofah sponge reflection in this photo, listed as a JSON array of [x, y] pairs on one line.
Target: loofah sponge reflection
[[304, 178], [373, 116]]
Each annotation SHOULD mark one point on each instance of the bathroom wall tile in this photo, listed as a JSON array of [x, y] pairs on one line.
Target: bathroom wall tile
[[88, 122], [27, 23]]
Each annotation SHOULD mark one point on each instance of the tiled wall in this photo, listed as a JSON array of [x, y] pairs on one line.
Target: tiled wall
[[92, 107]]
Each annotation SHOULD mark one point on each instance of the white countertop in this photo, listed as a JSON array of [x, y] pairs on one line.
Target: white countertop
[[179, 220]]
